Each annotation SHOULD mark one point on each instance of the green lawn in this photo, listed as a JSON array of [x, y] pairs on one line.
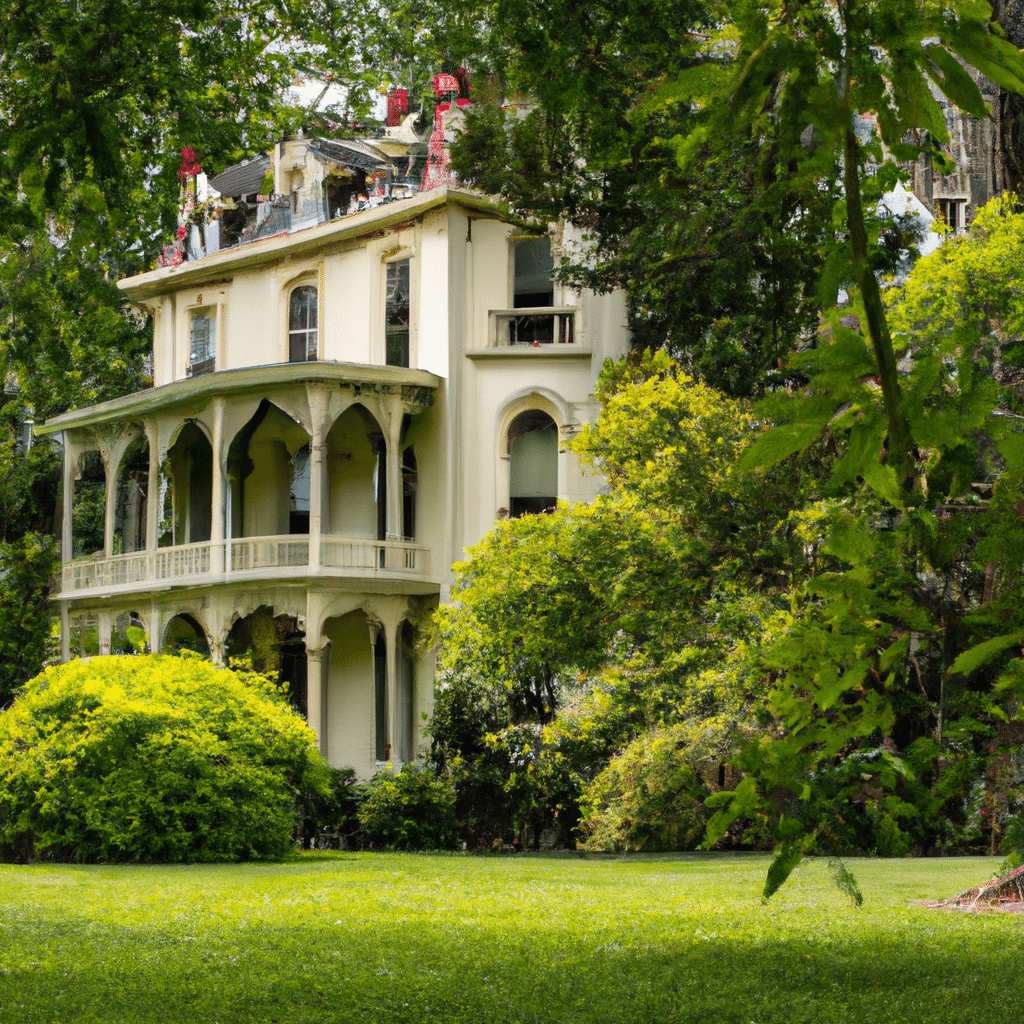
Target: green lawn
[[363, 937]]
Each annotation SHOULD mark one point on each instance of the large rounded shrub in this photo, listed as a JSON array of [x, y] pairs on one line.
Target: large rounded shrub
[[153, 758]]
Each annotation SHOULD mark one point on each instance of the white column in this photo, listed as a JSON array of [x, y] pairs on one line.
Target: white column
[[65, 632], [317, 476], [155, 628], [217, 508], [103, 630], [393, 673], [314, 694], [69, 494], [153, 489], [110, 491], [394, 471]]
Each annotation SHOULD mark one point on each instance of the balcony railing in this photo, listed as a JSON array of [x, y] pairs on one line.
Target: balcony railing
[[533, 326], [192, 563]]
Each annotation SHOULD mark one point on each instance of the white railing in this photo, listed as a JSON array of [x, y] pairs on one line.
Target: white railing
[[534, 326], [191, 562], [368, 555], [183, 560], [269, 552]]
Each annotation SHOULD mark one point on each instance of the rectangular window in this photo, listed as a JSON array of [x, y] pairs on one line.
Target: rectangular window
[[396, 313], [303, 332], [533, 275], [202, 344], [953, 212]]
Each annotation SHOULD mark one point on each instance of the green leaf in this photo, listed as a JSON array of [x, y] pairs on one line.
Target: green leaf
[[785, 439], [977, 656], [955, 82]]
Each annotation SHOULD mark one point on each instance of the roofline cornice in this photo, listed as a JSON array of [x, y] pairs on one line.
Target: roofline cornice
[[164, 280]]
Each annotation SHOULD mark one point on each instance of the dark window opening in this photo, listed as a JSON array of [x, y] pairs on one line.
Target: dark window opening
[[298, 510], [409, 494], [533, 469], [534, 273], [396, 313], [382, 749]]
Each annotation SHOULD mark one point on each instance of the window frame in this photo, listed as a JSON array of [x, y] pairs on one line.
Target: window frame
[[396, 331], [208, 364], [307, 333]]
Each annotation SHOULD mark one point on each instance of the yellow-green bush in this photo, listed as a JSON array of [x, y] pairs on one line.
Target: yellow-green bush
[[152, 758], [650, 797]]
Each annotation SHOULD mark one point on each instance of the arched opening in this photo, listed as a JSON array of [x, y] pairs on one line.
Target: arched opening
[[187, 489], [357, 476], [268, 475], [131, 500], [183, 633], [274, 644], [88, 510], [351, 694], [533, 463]]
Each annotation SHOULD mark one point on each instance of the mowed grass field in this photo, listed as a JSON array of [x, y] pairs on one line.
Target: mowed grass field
[[545, 939]]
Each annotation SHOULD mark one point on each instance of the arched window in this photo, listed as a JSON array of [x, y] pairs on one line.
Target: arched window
[[533, 469], [303, 330]]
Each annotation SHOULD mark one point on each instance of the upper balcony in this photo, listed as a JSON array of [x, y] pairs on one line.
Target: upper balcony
[[295, 471], [399, 564]]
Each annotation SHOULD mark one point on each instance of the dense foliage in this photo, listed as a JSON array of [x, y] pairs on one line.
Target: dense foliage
[[152, 758], [571, 635], [413, 809], [757, 606]]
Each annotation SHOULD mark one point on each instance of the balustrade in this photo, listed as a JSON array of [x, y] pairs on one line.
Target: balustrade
[[250, 555]]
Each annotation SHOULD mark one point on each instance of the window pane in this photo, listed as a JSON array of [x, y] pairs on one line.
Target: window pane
[[534, 270], [396, 313], [203, 344], [303, 336]]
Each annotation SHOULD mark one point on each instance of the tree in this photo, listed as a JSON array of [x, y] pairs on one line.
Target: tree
[[153, 758], [719, 261], [882, 663], [571, 635]]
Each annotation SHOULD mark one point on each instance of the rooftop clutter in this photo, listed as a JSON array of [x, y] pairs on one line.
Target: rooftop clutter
[[307, 181]]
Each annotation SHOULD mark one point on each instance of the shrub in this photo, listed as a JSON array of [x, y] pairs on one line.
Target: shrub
[[335, 811], [650, 797], [153, 758], [413, 810]]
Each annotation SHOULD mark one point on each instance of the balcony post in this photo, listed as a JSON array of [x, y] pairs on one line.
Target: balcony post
[[393, 459], [317, 476], [217, 509], [153, 489], [314, 694]]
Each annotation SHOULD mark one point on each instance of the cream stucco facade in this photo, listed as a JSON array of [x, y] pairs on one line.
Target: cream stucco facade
[[337, 413]]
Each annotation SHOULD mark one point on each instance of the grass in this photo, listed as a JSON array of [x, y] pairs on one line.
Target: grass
[[379, 938]]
